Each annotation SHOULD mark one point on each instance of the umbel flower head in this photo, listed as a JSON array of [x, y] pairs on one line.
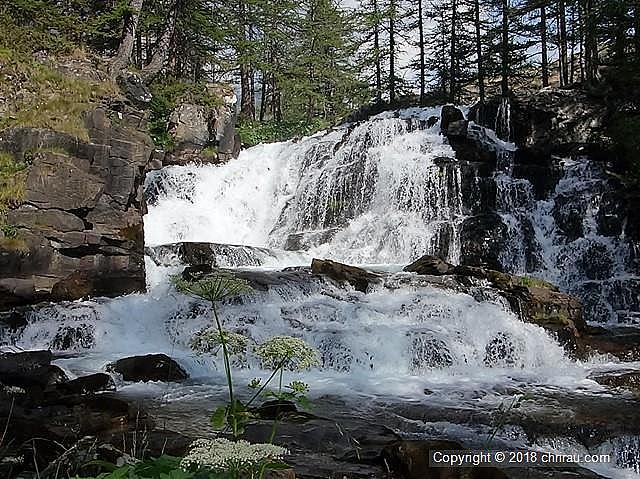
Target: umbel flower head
[[292, 353], [209, 340], [214, 287], [221, 455]]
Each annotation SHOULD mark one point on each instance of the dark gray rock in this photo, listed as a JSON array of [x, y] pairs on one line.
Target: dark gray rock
[[482, 239], [79, 229], [151, 367], [356, 277], [134, 87]]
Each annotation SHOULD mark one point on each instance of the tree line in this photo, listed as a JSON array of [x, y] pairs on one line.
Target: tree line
[[317, 59]]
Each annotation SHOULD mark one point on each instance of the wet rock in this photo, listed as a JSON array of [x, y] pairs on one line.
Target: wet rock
[[90, 384], [595, 262], [626, 380], [197, 254], [432, 120], [569, 213], [275, 409], [482, 239], [73, 338], [623, 343], [411, 460], [151, 367], [356, 277], [534, 300], [551, 122], [431, 265], [428, 353], [30, 370], [448, 115]]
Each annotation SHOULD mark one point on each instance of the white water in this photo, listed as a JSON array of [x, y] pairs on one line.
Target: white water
[[376, 193], [368, 194]]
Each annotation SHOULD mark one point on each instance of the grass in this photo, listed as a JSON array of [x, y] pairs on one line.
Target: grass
[[45, 98], [535, 283], [13, 177]]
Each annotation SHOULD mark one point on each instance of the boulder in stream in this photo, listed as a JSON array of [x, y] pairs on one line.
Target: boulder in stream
[[150, 367], [356, 277]]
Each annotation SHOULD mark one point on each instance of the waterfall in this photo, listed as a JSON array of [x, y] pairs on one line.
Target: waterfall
[[384, 191]]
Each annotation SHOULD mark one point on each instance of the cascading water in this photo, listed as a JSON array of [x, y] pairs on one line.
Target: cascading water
[[382, 192], [378, 192]]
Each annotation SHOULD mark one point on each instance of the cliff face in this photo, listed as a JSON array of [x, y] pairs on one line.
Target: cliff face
[[78, 230]]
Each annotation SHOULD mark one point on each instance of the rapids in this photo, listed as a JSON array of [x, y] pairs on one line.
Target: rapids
[[382, 192]]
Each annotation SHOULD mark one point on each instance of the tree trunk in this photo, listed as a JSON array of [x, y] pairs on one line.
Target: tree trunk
[[543, 41], [392, 53], [590, 42], [422, 63], [562, 43], [476, 12], [123, 56], [452, 53], [504, 50], [636, 28], [376, 52], [161, 54]]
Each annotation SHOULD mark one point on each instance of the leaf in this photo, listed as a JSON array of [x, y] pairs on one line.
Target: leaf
[[219, 418], [277, 466]]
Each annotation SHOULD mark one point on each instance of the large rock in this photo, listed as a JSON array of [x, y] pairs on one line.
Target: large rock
[[30, 370], [551, 122], [204, 133], [356, 277], [79, 229], [151, 367], [482, 238]]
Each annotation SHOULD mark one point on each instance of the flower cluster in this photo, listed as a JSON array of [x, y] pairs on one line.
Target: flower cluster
[[289, 352], [209, 340], [221, 455], [215, 287]]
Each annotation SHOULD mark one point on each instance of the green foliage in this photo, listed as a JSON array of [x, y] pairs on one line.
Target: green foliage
[[624, 130], [42, 97], [164, 467], [535, 283], [253, 132], [13, 175], [215, 287]]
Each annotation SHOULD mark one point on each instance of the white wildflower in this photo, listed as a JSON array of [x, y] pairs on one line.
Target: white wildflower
[[224, 455], [292, 353], [209, 340], [218, 286]]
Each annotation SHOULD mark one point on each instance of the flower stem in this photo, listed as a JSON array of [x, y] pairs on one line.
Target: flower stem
[[227, 368]]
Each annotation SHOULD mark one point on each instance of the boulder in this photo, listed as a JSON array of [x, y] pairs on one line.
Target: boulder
[[150, 367], [189, 125], [549, 122], [431, 265], [356, 277], [204, 133], [30, 370], [79, 229], [134, 87], [448, 116]]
